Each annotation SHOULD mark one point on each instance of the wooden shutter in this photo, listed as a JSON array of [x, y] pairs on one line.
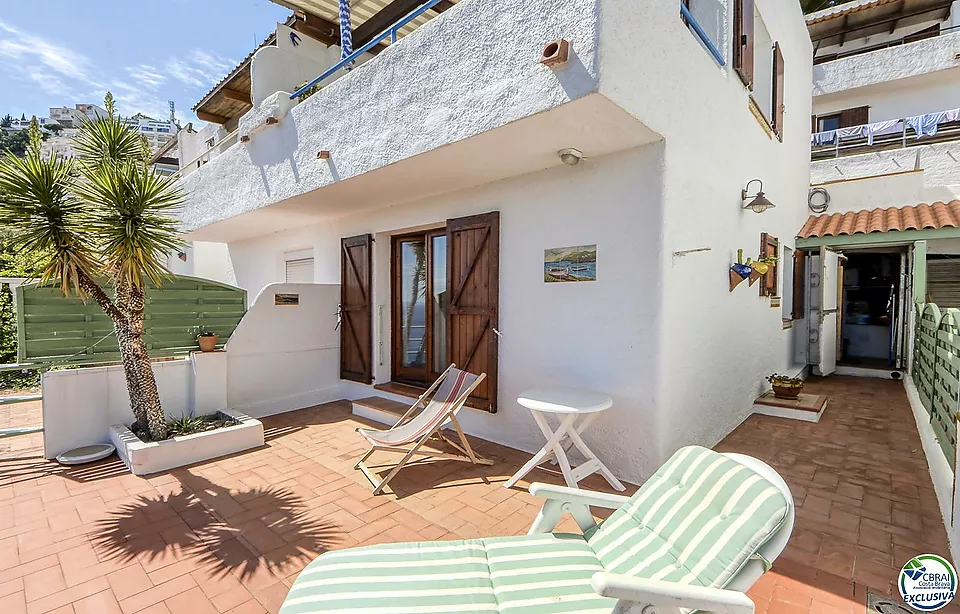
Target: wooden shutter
[[743, 39], [799, 285], [856, 116], [769, 246], [473, 279], [356, 309], [778, 83]]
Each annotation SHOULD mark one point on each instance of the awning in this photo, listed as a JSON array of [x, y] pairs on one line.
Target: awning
[[862, 18], [891, 224]]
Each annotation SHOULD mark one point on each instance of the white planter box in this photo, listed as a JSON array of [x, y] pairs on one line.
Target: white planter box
[[145, 458]]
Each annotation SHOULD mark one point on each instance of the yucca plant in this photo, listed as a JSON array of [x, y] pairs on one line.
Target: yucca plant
[[107, 222]]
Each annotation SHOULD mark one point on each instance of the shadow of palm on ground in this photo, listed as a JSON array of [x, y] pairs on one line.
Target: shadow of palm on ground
[[273, 530]]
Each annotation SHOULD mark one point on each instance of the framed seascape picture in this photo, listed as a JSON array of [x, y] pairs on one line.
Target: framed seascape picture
[[570, 264]]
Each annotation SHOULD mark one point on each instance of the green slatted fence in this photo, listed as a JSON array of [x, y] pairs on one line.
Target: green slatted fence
[[54, 329], [936, 372]]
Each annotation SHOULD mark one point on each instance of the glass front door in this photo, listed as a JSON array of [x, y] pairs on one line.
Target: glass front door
[[419, 281]]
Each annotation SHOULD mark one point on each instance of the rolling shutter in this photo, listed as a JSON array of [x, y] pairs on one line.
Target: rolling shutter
[[356, 309], [943, 282], [857, 116], [299, 271], [473, 278], [743, 40], [778, 84]]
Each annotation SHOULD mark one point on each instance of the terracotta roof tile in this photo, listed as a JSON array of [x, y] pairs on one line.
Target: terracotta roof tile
[[891, 219]]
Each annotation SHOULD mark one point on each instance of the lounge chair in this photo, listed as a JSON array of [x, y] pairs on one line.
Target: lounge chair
[[447, 396], [696, 536]]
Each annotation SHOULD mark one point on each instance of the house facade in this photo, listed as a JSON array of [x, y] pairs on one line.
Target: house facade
[[549, 192]]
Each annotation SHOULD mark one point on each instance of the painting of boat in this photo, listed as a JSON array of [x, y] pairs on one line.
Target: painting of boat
[[570, 264]]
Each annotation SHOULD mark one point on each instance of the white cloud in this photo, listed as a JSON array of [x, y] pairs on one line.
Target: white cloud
[[72, 77], [52, 67], [146, 75], [199, 68]]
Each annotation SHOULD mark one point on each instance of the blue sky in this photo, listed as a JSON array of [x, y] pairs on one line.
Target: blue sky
[[63, 52]]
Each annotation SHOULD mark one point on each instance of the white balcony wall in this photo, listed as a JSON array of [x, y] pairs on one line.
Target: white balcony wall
[[715, 346], [467, 72], [927, 93], [280, 358], [885, 65], [284, 67]]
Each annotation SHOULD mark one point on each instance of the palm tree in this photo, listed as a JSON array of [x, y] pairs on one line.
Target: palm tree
[[106, 220]]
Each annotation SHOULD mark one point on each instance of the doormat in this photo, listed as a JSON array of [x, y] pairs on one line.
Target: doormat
[[882, 604]]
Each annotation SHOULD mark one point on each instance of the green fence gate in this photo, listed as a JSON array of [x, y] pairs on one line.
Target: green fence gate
[[52, 328], [936, 372]]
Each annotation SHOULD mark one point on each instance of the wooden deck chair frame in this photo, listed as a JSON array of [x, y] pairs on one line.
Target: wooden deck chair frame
[[467, 453]]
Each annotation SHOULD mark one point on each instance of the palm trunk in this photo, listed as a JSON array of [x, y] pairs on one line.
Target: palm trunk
[[148, 396], [127, 317], [131, 374]]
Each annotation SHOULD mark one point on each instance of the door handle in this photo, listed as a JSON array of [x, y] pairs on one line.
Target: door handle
[[339, 315]]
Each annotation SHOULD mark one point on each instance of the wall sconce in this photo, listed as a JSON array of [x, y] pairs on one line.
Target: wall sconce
[[760, 203]]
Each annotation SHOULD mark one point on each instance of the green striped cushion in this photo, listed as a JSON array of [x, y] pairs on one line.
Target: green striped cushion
[[537, 574], [427, 577], [545, 574], [696, 521]]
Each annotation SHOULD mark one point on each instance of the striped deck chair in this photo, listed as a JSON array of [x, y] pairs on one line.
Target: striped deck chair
[[447, 396], [694, 537]]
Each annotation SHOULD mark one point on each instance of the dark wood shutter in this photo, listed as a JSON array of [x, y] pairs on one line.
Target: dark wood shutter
[[356, 309], [778, 83], [473, 279], [799, 284], [769, 246], [856, 116], [743, 39]]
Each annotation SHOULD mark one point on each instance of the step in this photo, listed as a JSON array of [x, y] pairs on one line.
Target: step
[[379, 409], [808, 407]]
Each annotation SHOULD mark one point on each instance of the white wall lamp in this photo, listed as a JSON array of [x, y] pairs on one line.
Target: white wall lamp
[[760, 203]]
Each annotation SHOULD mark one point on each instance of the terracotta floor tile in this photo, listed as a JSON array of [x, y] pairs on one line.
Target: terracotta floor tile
[[858, 476], [130, 581], [44, 582], [101, 603], [192, 601]]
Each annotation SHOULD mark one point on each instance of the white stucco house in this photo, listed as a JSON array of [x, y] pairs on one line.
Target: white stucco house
[[437, 180], [884, 174]]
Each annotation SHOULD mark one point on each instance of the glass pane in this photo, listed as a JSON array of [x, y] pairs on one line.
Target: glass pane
[[438, 248], [413, 306]]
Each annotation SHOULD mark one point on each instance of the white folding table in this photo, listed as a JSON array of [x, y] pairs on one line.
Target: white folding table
[[569, 404]]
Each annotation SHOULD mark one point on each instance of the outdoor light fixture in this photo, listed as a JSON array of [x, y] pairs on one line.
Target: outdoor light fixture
[[570, 156], [760, 203]]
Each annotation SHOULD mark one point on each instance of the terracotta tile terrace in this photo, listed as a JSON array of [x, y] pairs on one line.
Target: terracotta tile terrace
[[231, 535]]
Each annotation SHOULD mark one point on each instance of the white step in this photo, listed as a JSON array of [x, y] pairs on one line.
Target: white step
[[379, 409]]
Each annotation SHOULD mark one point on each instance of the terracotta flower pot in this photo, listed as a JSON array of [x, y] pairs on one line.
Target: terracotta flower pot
[[208, 343], [787, 392]]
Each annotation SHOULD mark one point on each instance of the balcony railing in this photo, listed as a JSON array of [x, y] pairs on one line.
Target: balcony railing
[[390, 33], [906, 40], [701, 33], [893, 134]]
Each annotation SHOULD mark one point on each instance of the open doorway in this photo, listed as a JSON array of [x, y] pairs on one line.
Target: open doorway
[[872, 304]]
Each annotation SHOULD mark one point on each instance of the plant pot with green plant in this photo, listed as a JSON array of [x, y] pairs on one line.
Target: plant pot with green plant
[[785, 387], [207, 341]]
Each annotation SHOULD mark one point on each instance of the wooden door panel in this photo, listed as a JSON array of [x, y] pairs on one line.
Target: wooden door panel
[[473, 276], [356, 309]]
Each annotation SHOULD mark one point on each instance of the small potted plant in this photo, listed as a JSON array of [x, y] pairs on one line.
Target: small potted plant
[[207, 340], [785, 387]]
